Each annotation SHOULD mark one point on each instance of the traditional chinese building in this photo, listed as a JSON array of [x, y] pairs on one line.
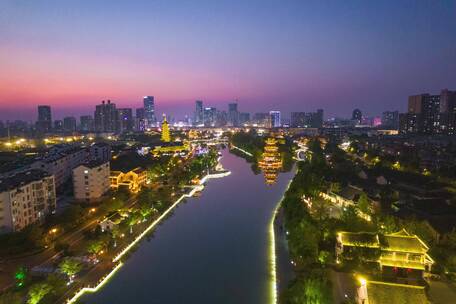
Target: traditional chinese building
[[133, 180], [271, 161], [165, 136], [401, 256], [167, 146]]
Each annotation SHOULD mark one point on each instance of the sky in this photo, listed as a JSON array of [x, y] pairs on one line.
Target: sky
[[269, 55]]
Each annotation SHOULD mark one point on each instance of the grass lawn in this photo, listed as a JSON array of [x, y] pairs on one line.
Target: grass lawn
[[380, 293]]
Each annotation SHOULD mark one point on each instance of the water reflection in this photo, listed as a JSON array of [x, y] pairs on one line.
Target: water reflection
[[271, 161]]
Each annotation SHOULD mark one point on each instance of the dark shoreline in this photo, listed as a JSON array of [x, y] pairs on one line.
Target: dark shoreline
[[285, 272]]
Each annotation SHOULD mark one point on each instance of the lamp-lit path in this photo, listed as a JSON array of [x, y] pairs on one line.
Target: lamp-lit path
[[214, 249]]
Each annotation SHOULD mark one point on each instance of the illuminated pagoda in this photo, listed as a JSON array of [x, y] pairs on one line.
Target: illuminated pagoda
[[168, 147], [271, 161], [165, 137]]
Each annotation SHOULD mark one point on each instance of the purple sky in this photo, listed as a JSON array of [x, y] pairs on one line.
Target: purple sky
[[285, 55]]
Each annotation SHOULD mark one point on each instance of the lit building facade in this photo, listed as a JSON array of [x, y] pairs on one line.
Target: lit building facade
[[199, 116], [400, 255], [149, 111], [133, 180], [91, 181], [275, 120]]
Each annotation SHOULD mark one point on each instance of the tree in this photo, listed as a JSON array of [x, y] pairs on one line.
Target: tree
[[11, 297], [132, 220], [70, 266], [95, 247], [335, 187], [115, 232], [364, 204], [71, 217], [388, 224], [37, 292], [20, 276], [317, 291], [35, 235]]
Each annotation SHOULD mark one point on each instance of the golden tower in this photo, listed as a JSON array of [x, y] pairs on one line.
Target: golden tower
[[165, 137], [271, 161]]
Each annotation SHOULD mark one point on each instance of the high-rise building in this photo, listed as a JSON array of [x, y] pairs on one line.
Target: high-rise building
[[298, 120], [390, 119], [87, 123], [431, 114], [357, 115], [140, 120], [44, 123], [244, 118], [199, 114], [149, 111], [209, 116], [221, 118], [233, 114], [106, 117], [275, 121], [316, 120], [426, 115], [125, 120], [448, 111], [69, 124]]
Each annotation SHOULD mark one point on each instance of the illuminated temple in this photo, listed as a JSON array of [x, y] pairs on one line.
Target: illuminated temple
[[167, 146], [271, 161]]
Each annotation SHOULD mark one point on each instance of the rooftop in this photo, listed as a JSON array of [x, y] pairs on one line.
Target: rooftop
[[400, 241], [21, 179]]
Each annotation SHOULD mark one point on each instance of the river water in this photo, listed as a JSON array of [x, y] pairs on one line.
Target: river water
[[214, 249]]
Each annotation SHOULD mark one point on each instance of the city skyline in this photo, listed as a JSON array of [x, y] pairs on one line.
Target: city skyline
[[289, 56]]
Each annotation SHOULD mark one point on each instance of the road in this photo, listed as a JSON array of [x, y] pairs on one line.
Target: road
[[47, 256]]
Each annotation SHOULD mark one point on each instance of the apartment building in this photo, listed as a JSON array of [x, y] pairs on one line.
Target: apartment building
[[91, 181], [26, 198]]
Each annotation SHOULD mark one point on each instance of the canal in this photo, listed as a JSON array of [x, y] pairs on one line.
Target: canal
[[213, 249]]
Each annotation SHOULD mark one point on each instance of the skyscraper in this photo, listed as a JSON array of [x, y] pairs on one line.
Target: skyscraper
[[210, 114], [106, 117], [125, 120], [233, 114], [149, 111], [275, 121], [244, 118], [317, 119], [298, 120], [44, 123], [69, 124], [140, 120], [199, 115], [87, 123], [448, 111]]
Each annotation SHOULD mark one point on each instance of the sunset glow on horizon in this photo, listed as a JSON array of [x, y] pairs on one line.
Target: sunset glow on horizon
[[287, 56]]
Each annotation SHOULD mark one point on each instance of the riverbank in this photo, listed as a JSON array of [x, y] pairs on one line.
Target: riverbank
[[214, 248], [117, 261]]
